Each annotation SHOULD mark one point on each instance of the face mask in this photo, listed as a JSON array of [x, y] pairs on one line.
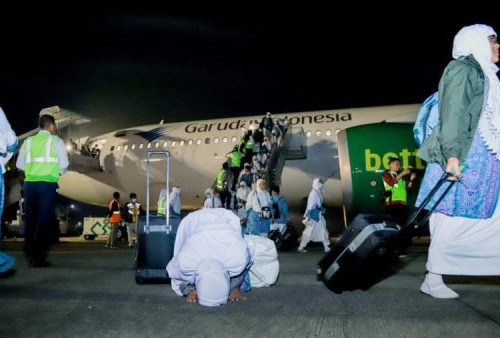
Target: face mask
[[320, 185], [133, 200]]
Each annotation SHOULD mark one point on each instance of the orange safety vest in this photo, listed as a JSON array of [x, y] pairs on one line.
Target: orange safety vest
[[116, 216]]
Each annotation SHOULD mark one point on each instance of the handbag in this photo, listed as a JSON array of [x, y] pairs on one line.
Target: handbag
[[265, 212]]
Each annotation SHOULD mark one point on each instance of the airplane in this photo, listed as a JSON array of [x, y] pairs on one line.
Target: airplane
[[320, 144]]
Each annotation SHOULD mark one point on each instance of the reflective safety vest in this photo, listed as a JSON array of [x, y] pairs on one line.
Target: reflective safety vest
[[161, 205], [235, 158], [249, 144], [41, 160], [398, 191], [116, 216], [219, 179]]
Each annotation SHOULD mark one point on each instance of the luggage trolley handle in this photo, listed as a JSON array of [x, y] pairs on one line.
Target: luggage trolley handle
[[168, 227], [444, 178]]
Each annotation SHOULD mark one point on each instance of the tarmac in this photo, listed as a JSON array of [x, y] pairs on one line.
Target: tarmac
[[90, 291]]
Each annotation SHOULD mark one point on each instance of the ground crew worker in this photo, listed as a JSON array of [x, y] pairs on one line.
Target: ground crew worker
[[235, 159], [43, 158], [115, 218], [395, 188], [223, 179]]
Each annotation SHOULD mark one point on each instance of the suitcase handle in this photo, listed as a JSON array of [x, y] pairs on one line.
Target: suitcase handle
[[168, 227], [444, 178]]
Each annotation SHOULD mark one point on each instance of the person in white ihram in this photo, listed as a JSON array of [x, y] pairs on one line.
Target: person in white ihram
[[314, 221], [210, 257]]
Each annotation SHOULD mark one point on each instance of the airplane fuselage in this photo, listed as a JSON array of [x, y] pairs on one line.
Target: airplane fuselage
[[198, 149]]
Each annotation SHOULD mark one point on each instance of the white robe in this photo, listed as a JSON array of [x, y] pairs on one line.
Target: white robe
[[207, 234], [464, 246]]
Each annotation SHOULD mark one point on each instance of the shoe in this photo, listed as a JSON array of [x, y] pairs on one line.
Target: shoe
[[131, 245], [107, 246], [440, 291], [114, 246], [327, 250], [301, 250]]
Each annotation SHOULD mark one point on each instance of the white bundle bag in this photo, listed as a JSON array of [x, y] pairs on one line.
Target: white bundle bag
[[265, 268]]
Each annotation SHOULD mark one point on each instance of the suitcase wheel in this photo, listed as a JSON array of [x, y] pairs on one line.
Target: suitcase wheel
[[138, 280]]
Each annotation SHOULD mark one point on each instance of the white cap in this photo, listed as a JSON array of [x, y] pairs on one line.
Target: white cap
[[212, 283]]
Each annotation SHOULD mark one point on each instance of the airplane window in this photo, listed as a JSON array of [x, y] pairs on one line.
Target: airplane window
[[181, 143], [112, 148], [141, 146], [190, 142], [165, 144], [318, 132], [308, 134], [157, 144], [224, 139], [198, 141], [328, 132], [233, 139], [216, 140], [133, 146], [207, 140], [118, 148], [149, 145], [125, 147], [173, 143]]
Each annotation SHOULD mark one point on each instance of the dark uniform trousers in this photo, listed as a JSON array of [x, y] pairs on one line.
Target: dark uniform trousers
[[40, 202]]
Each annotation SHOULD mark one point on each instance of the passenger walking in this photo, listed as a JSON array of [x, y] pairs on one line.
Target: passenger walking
[[315, 224], [8, 144], [210, 200], [174, 202], [115, 219], [246, 175], [133, 211], [280, 208], [241, 199], [258, 210], [43, 158], [465, 228]]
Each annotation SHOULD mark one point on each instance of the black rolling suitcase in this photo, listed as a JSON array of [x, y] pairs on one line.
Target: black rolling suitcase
[[370, 246], [284, 240], [155, 238]]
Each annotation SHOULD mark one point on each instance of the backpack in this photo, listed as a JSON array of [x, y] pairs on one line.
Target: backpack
[[427, 119], [276, 210]]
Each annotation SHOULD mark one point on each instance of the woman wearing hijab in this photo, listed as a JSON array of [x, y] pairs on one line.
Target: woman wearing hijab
[[211, 201], [259, 210], [314, 221], [465, 228], [8, 143]]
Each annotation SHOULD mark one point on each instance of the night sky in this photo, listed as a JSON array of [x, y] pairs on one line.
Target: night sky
[[126, 68]]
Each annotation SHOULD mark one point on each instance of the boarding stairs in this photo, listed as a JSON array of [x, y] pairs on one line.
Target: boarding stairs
[[293, 146]]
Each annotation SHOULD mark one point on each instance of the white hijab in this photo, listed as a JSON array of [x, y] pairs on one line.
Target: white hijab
[[264, 197], [474, 40], [7, 139], [315, 198]]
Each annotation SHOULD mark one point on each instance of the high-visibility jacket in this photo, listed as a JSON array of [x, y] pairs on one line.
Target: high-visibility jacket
[[235, 158], [398, 191], [115, 216], [42, 161], [219, 178], [161, 205]]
